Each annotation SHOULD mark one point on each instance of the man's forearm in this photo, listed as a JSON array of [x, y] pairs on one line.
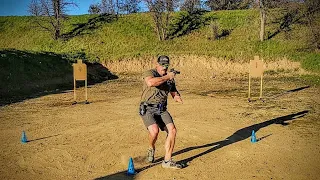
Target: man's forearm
[[175, 93], [156, 81]]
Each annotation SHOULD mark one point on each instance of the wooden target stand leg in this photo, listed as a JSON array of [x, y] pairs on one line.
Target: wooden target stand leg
[[75, 95], [249, 92], [261, 90], [249, 100], [74, 92], [86, 84]]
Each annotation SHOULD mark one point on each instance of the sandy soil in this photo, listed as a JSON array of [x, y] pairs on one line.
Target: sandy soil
[[95, 141]]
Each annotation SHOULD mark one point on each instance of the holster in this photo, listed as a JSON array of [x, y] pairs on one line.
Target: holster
[[142, 108]]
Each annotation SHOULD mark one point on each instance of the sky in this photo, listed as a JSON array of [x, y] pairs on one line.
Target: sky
[[20, 7]]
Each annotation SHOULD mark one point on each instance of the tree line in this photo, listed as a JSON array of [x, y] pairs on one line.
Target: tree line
[[51, 13]]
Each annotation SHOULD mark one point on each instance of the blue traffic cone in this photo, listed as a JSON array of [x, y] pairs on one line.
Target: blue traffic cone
[[24, 137], [131, 170], [253, 137]]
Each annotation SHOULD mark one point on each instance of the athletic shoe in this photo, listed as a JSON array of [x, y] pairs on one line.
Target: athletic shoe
[[150, 155], [171, 164]]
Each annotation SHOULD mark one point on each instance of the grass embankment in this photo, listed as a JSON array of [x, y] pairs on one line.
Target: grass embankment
[[128, 36], [106, 38], [25, 73]]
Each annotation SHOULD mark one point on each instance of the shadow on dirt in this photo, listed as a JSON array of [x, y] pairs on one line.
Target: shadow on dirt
[[26, 74], [241, 91], [237, 136], [287, 92], [117, 176], [43, 138]]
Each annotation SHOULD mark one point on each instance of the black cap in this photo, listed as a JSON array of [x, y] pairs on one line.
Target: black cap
[[163, 60]]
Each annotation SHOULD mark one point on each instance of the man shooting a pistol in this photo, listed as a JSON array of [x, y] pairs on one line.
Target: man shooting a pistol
[[157, 84]]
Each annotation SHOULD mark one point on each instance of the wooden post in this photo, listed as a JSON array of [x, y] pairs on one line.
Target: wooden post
[[86, 91], [249, 87], [74, 90], [261, 87]]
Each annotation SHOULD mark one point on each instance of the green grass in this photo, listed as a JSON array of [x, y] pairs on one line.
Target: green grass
[[133, 35], [312, 79], [311, 62]]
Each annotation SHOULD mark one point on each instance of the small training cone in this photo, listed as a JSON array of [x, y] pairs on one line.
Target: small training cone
[[131, 170], [253, 137], [24, 137]]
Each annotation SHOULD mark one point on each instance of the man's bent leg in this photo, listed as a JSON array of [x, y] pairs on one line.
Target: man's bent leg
[[170, 141], [153, 136], [168, 162]]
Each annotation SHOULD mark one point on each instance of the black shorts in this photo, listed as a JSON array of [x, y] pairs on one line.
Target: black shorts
[[161, 119]]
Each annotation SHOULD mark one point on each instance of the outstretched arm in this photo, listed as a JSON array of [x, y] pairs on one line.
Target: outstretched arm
[[156, 81]]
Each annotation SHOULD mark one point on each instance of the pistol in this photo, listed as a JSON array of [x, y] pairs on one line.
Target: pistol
[[174, 71]]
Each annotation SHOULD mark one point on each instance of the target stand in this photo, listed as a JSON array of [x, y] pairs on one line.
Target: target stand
[[79, 74], [255, 71]]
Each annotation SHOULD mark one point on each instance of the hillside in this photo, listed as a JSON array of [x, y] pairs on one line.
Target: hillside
[[106, 38], [43, 134]]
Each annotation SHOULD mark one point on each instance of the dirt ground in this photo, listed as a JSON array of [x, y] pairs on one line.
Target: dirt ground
[[96, 140]]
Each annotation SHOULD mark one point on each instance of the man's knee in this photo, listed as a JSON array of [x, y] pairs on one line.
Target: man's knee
[[153, 130], [172, 130]]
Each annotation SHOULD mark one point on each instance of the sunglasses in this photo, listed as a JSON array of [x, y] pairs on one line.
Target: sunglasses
[[165, 66]]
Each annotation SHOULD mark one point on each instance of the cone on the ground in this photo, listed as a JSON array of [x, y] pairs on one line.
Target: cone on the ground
[[24, 137], [131, 170], [253, 137]]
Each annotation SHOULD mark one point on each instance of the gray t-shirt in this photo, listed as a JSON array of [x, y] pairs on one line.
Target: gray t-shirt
[[158, 94]]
